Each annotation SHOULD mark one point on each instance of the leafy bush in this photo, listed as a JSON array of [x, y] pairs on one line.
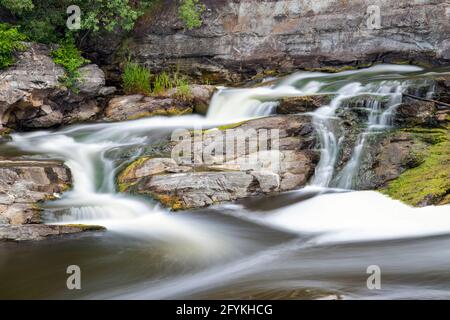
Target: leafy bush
[[190, 13], [136, 79], [69, 57], [17, 6], [10, 42], [45, 20]]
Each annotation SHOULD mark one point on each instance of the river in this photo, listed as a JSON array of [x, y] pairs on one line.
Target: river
[[313, 243]]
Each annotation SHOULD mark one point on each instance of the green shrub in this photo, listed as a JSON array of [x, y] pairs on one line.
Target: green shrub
[[10, 42], [161, 83], [17, 6], [69, 57], [182, 85], [45, 20], [190, 13], [136, 79]]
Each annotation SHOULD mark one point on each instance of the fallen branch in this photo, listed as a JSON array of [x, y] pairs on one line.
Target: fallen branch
[[427, 100]]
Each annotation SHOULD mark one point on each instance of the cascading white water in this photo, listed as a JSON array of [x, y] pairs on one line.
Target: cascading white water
[[84, 147], [329, 139], [377, 120], [228, 104]]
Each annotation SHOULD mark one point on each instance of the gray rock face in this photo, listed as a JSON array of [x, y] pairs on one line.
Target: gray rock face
[[33, 232], [245, 37], [24, 183], [283, 160], [31, 95]]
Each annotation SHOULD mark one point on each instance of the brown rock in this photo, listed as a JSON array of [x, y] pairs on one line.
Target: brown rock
[[138, 106], [302, 104]]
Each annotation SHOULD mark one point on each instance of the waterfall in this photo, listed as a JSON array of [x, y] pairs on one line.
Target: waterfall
[[329, 138], [378, 120], [84, 148]]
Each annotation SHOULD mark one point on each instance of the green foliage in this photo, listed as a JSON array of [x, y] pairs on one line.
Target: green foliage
[[182, 85], [45, 20], [110, 14], [161, 83], [136, 79], [69, 56], [17, 6], [190, 13], [10, 42]]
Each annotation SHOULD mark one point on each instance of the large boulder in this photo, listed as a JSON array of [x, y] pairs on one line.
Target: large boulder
[[266, 162], [31, 95]]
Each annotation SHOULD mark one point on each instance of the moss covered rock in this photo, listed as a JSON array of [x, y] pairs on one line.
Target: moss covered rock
[[429, 182]]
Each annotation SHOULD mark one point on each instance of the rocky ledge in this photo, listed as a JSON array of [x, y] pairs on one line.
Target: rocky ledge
[[32, 97], [42, 231], [208, 179], [23, 185], [170, 103], [243, 38]]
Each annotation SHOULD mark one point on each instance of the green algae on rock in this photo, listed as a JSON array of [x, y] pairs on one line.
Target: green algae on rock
[[429, 182]]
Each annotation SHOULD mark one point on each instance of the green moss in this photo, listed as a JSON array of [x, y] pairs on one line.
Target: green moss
[[231, 125], [5, 132], [428, 183], [173, 111], [124, 182], [170, 201]]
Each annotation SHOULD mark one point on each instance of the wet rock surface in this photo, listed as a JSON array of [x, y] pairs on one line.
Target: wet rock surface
[[210, 179], [302, 104]]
